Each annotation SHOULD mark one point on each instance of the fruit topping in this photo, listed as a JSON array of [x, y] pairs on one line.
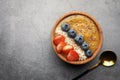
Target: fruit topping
[[84, 46], [79, 39], [67, 48], [72, 56], [71, 33], [64, 48], [65, 27], [58, 39], [88, 53], [60, 47]]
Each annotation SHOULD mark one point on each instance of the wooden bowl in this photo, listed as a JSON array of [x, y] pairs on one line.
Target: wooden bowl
[[100, 39]]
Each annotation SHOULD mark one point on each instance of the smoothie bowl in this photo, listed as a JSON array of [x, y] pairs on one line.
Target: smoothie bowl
[[77, 38]]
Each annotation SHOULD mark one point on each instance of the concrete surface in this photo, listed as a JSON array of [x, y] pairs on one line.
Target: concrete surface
[[25, 45]]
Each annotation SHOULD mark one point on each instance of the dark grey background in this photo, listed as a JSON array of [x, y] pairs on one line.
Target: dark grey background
[[25, 46]]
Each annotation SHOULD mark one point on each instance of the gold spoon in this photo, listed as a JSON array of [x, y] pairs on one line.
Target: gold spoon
[[107, 59]]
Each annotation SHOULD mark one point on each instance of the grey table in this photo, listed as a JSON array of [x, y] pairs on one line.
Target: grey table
[[25, 46]]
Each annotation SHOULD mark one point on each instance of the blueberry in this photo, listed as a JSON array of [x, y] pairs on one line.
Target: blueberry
[[84, 46], [71, 33], [65, 27], [88, 53], [79, 39]]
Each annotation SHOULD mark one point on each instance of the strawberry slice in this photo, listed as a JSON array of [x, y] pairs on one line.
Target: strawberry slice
[[58, 39], [60, 47], [67, 48], [72, 56]]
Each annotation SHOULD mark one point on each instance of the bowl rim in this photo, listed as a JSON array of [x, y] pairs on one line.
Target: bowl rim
[[99, 30]]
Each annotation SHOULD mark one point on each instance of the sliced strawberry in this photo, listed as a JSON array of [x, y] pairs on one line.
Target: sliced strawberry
[[58, 39], [60, 47], [67, 48], [72, 56]]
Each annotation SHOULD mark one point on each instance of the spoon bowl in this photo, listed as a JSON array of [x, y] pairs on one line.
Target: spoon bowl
[[108, 58]]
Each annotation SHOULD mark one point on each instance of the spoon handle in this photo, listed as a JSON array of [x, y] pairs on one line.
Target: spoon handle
[[82, 74], [86, 71]]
